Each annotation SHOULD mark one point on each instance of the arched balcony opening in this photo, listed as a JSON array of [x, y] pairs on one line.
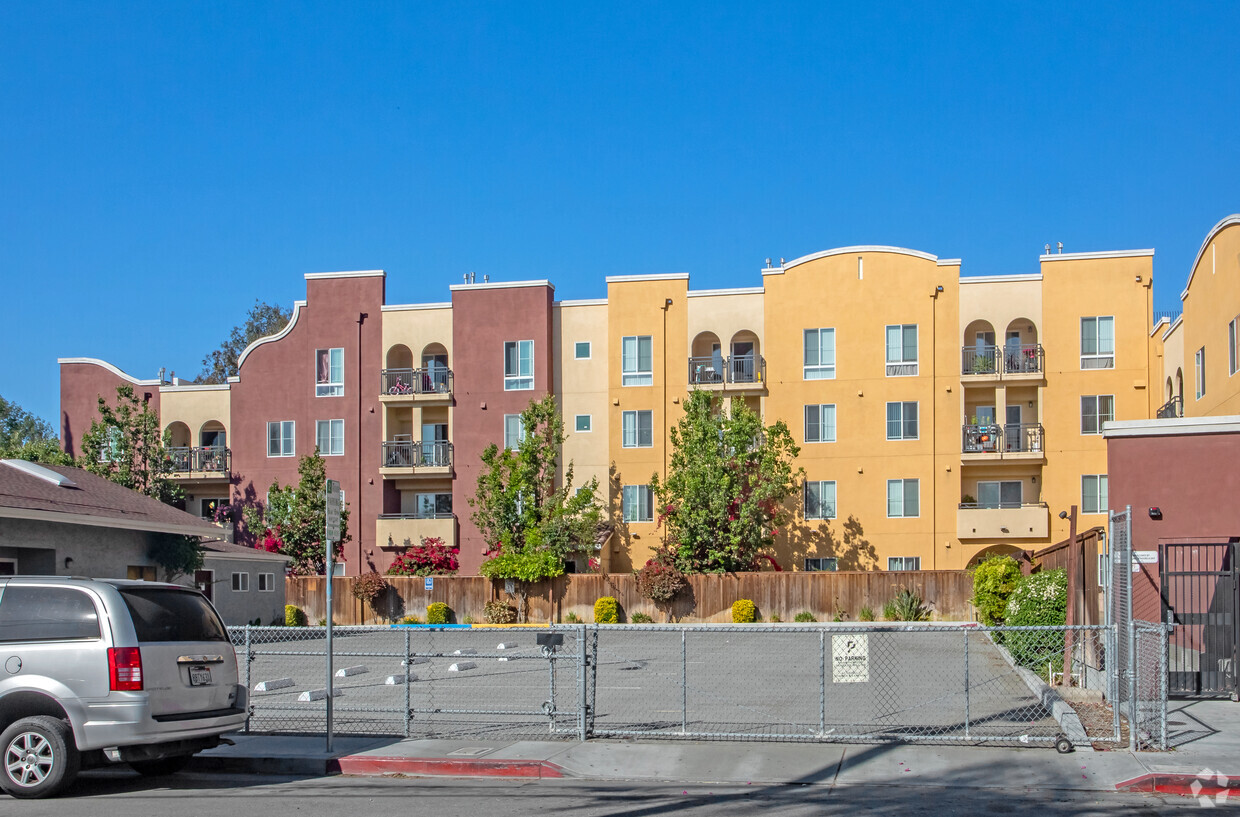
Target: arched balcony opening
[[436, 375], [979, 355], [179, 435], [706, 364], [1022, 353], [745, 361]]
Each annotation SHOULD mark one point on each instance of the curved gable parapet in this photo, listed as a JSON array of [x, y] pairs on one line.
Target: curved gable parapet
[[1231, 221], [288, 327], [103, 364], [863, 248]]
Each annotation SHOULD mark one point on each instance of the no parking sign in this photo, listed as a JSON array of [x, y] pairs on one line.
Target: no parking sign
[[850, 658]]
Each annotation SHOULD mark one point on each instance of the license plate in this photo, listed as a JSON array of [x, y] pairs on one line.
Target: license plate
[[199, 676]]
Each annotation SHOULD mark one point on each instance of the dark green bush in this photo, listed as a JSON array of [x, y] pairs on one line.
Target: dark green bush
[[294, 616], [640, 618], [906, 606], [804, 617], [994, 579], [1040, 600]]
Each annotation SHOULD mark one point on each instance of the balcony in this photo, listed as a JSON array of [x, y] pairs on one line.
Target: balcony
[[1007, 521], [200, 462], [735, 373], [410, 458], [989, 442], [397, 531], [429, 385], [1171, 409], [1011, 362]]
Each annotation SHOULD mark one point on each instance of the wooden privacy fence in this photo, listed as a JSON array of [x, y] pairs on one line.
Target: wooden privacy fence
[[707, 598]]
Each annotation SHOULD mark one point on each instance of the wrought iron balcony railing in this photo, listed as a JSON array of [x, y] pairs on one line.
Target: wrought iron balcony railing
[[431, 380], [416, 454], [201, 459], [738, 369], [1172, 408]]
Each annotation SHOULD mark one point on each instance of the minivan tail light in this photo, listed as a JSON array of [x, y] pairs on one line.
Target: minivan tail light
[[125, 669]]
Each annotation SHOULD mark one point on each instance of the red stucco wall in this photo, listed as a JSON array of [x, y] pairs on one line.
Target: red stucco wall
[[81, 386]]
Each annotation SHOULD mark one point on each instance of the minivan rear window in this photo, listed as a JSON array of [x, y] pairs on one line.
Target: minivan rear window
[[46, 614], [164, 614]]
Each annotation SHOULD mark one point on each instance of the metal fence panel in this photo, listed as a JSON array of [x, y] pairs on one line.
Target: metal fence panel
[[1149, 706]]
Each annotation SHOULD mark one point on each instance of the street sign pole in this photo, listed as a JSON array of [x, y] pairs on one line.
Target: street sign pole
[[331, 533]]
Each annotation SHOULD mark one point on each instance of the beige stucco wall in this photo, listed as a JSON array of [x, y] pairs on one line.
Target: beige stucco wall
[[1173, 363], [580, 387], [195, 406], [1212, 302], [726, 315]]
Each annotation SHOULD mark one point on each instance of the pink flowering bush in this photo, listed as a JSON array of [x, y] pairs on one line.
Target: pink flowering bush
[[430, 558]]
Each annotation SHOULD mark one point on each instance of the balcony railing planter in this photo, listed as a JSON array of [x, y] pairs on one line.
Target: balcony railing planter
[[981, 439], [415, 454], [1012, 359], [737, 369], [1013, 438], [436, 380], [200, 459], [1026, 359]]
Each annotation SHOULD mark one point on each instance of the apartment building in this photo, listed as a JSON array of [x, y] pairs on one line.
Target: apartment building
[[940, 417]]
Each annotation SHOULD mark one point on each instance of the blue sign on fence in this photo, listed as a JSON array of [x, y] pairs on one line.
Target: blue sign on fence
[[430, 582]]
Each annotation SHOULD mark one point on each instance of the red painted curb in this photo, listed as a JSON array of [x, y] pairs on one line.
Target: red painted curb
[[458, 767], [1166, 783]]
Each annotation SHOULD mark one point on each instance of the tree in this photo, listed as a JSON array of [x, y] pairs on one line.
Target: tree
[[177, 555], [728, 477], [294, 521], [24, 436], [125, 445], [530, 525], [262, 320]]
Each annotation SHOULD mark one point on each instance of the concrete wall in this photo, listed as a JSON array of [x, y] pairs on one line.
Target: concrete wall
[[242, 607], [103, 553]]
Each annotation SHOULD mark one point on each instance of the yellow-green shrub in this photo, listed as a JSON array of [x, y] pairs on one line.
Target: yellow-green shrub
[[606, 611], [294, 616], [744, 611], [438, 613]]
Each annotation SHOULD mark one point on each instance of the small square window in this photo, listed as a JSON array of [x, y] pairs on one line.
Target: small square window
[[1094, 497], [583, 422], [820, 423], [280, 439], [1096, 409], [581, 350], [241, 582], [638, 503], [820, 499], [902, 421], [329, 436], [637, 429], [266, 582], [903, 498]]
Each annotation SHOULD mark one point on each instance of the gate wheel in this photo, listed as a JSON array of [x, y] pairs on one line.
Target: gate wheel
[[1063, 745]]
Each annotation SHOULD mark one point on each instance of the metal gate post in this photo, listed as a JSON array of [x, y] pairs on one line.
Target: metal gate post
[[407, 664], [822, 682], [1162, 685], [1132, 639], [684, 684], [593, 680], [582, 658], [1113, 679], [965, 630], [248, 686]]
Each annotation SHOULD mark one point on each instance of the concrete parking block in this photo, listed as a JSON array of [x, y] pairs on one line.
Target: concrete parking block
[[461, 666], [271, 686], [319, 694], [345, 672]]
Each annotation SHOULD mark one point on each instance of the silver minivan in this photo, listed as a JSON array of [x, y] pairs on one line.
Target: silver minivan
[[99, 671]]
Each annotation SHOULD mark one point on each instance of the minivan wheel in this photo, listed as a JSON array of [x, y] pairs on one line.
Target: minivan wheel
[[160, 767], [40, 757]]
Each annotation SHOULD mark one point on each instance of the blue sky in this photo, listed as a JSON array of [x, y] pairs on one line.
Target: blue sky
[[164, 164]]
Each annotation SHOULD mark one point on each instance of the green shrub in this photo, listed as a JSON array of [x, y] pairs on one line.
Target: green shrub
[[906, 606], [1040, 600], [294, 616], [640, 618], [775, 619], [411, 619], [994, 579], [499, 612], [606, 611], [744, 611], [572, 618], [438, 613], [468, 620], [866, 614], [804, 617]]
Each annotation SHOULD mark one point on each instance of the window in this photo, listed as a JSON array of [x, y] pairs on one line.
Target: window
[[583, 422], [820, 423], [141, 573], [47, 614], [280, 436], [904, 563], [1200, 360], [433, 506], [167, 614], [1098, 343], [1104, 569], [1094, 493], [1096, 409], [328, 372], [514, 431], [111, 448], [266, 582], [329, 435], [830, 564], [1006, 494], [819, 354], [638, 503], [241, 582], [209, 507], [637, 361], [820, 499], [902, 421], [1233, 341], [581, 350], [637, 429], [902, 350], [518, 365], [903, 497]]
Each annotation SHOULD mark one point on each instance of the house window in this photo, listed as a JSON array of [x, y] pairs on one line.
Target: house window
[[1200, 360], [1094, 493], [581, 350], [1005, 494], [140, 573], [902, 421], [514, 431], [638, 503], [329, 436], [280, 436], [583, 422], [241, 582], [111, 448], [830, 564], [902, 350], [328, 372], [903, 497], [819, 354], [820, 423], [1233, 341], [209, 507], [1098, 343], [1104, 569], [904, 563], [637, 429], [1096, 409], [637, 361], [433, 506], [266, 582], [820, 499], [518, 365]]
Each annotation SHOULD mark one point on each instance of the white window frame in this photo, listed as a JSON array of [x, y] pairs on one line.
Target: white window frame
[[826, 431], [112, 441], [829, 508], [287, 434], [631, 433], [332, 427], [631, 371], [589, 423], [268, 579], [899, 563], [520, 380], [577, 355], [904, 421], [331, 387], [1101, 493], [1100, 358], [899, 364], [1233, 346], [509, 430], [640, 499], [242, 586], [904, 489], [814, 367], [1199, 364], [823, 564], [1096, 414]]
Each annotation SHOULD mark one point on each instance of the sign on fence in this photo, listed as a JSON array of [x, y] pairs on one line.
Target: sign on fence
[[429, 584], [850, 658]]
